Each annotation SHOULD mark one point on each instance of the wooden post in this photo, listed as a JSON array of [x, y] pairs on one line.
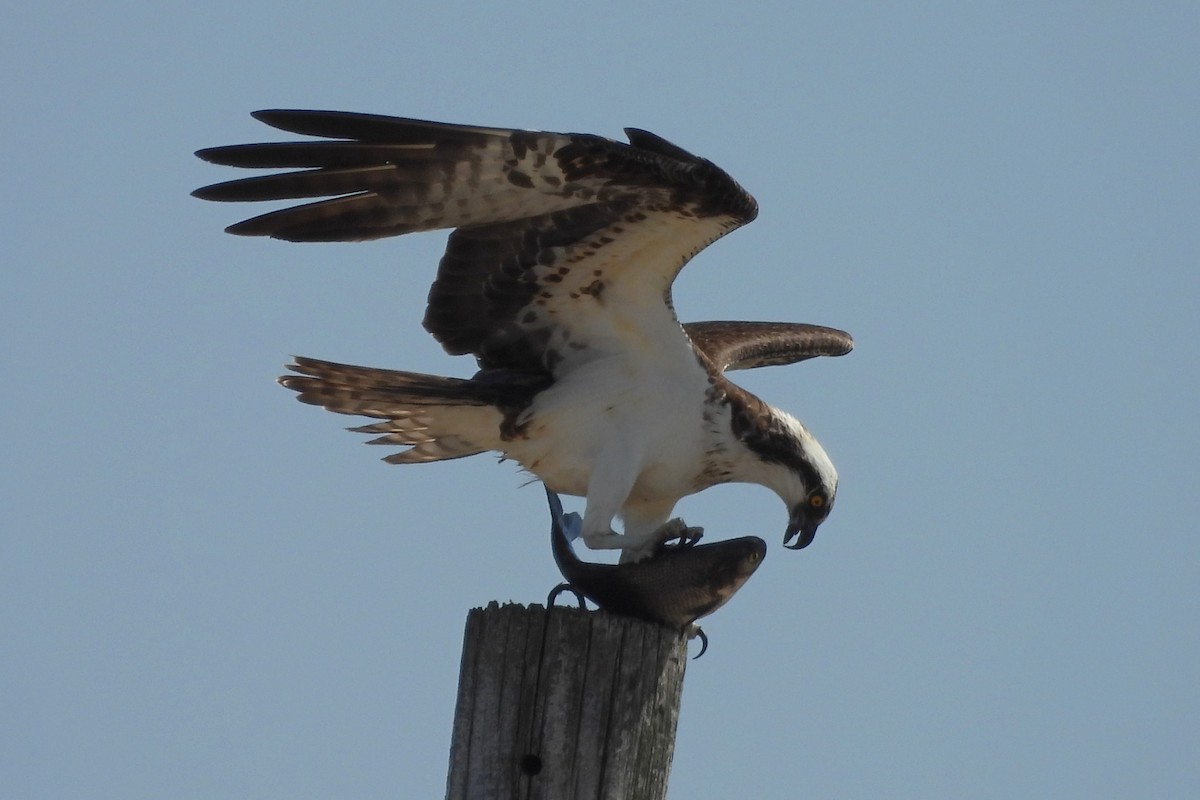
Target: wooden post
[[565, 704]]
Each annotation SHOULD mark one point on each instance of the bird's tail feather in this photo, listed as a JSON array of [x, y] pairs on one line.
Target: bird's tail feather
[[437, 418]]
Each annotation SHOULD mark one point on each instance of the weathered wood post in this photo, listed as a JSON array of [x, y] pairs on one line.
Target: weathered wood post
[[565, 704]]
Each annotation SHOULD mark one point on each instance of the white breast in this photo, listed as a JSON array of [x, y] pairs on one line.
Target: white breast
[[656, 407]]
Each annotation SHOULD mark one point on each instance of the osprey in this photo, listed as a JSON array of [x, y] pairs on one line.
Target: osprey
[[557, 279]]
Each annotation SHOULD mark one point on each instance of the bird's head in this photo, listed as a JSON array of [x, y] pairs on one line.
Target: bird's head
[[807, 514], [797, 468]]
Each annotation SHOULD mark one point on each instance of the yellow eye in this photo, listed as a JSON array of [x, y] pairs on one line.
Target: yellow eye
[[816, 501]]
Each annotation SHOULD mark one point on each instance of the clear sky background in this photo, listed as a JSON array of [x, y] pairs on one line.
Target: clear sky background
[[211, 590]]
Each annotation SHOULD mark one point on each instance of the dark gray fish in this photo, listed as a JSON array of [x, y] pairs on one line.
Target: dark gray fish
[[676, 586]]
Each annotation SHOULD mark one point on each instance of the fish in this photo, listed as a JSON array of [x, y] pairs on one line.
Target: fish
[[675, 586]]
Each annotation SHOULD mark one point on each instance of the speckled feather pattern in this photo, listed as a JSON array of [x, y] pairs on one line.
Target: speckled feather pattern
[[557, 279]]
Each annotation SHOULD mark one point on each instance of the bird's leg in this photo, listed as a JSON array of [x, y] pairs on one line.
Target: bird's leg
[[646, 527], [596, 531], [647, 530], [612, 479]]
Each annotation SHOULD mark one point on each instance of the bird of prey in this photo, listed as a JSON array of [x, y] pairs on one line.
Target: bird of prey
[[557, 279]]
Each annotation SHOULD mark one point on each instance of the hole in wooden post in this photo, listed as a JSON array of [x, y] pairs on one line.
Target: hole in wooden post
[[530, 764]]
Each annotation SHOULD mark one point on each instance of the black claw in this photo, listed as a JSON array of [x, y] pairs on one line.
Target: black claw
[[703, 642], [565, 587]]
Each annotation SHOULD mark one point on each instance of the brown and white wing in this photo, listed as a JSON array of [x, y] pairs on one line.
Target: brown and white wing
[[563, 242], [745, 345]]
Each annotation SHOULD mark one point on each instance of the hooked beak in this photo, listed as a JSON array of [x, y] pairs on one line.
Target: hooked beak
[[802, 525]]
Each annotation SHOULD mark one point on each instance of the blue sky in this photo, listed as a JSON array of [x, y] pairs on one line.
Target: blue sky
[[213, 591]]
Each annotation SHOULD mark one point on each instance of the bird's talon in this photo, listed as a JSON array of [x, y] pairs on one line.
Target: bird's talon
[[694, 631], [565, 587], [678, 529]]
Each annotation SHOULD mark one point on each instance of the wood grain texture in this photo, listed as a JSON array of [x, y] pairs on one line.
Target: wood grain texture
[[565, 704]]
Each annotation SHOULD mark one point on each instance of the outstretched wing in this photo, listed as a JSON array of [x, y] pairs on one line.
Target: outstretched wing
[[744, 345], [564, 242]]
